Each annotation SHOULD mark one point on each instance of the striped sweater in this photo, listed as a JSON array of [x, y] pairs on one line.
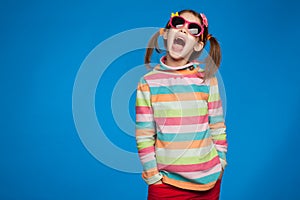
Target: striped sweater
[[180, 130]]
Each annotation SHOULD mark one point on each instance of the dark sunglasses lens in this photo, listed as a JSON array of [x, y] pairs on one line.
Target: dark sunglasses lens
[[177, 22], [194, 29]]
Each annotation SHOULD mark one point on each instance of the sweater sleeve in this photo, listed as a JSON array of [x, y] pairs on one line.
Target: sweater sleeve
[[216, 121], [146, 134]]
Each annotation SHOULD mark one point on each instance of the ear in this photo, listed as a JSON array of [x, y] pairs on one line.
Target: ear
[[198, 46]]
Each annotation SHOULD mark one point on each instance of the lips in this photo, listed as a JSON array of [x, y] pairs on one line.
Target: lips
[[178, 44]]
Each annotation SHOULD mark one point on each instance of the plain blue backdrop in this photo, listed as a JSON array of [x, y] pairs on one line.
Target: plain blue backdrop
[[43, 44]]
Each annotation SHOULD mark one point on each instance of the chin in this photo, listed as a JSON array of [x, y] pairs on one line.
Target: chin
[[175, 56], [179, 55]]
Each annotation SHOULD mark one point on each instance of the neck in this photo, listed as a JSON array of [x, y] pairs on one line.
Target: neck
[[172, 62]]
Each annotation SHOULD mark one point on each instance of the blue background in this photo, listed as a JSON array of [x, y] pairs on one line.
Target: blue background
[[43, 44]]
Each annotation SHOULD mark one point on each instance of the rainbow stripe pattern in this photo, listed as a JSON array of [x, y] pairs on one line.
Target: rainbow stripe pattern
[[180, 130]]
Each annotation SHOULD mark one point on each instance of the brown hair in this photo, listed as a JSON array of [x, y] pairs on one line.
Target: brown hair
[[212, 62]]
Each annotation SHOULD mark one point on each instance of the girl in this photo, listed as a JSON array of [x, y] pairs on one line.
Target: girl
[[180, 130]]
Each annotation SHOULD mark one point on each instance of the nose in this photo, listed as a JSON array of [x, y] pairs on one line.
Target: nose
[[184, 29]]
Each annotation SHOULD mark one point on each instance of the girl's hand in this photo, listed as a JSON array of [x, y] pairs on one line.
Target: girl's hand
[[158, 182], [221, 175]]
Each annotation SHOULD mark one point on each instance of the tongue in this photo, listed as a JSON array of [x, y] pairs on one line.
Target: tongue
[[177, 47]]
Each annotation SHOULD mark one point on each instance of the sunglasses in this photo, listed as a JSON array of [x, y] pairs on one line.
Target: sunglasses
[[195, 29]]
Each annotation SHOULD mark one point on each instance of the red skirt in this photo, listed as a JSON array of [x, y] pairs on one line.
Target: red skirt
[[165, 191]]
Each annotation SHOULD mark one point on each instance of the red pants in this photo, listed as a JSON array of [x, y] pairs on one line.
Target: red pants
[[165, 191]]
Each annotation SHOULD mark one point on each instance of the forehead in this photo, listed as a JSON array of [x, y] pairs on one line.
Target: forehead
[[190, 17]]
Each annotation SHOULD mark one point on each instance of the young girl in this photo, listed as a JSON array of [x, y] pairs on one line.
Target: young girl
[[180, 128]]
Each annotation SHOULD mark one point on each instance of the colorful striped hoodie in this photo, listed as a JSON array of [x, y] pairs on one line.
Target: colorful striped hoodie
[[180, 130]]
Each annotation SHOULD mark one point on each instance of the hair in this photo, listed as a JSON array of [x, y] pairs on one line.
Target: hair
[[212, 62]]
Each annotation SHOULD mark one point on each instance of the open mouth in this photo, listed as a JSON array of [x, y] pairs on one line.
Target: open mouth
[[179, 41], [178, 44]]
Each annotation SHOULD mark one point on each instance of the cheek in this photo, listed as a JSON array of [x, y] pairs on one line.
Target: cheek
[[191, 41], [172, 31], [171, 34]]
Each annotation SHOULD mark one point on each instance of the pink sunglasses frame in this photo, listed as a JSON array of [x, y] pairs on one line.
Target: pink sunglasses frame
[[188, 23]]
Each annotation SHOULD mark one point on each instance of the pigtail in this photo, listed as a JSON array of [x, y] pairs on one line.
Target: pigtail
[[214, 59], [153, 43]]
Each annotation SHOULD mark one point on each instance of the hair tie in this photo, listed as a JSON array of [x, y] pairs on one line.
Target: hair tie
[[208, 36], [161, 31]]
